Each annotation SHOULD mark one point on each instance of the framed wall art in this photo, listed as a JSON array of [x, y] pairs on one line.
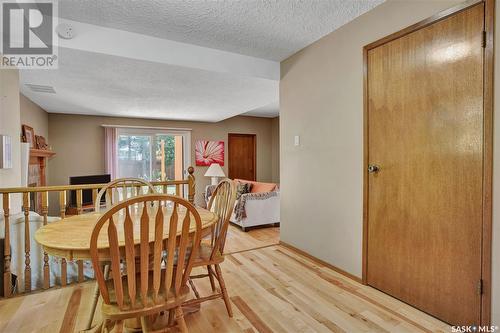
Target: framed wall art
[[208, 152]]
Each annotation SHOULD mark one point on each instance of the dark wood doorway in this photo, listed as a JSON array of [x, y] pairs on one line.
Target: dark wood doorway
[[428, 137], [242, 156]]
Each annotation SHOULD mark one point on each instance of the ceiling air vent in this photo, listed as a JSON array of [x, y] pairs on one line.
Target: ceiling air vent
[[38, 88]]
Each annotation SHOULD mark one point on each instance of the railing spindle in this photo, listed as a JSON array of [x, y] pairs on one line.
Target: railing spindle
[[79, 211], [64, 272], [79, 208], [80, 270], [42, 193], [62, 213], [27, 240], [62, 204], [7, 276], [94, 196], [191, 185], [45, 211], [109, 197]]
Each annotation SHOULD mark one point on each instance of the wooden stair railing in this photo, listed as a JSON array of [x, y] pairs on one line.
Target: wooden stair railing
[[160, 186]]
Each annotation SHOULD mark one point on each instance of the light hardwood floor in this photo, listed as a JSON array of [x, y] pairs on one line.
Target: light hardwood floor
[[237, 240], [272, 289]]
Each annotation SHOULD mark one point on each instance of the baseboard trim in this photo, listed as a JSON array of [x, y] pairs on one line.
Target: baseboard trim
[[321, 262]]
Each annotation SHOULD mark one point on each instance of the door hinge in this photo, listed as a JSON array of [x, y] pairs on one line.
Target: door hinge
[[483, 44], [480, 287]]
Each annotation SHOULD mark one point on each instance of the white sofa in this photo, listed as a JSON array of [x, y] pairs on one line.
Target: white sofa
[[254, 209]]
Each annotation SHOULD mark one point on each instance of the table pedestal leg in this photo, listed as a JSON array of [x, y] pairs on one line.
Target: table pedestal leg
[[95, 299]]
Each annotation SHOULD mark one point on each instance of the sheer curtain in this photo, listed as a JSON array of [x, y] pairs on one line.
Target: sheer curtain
[[110, 153]]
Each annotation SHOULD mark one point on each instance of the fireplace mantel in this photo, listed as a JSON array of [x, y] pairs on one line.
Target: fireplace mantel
[[38, 159], [37, 175], [41, 153]]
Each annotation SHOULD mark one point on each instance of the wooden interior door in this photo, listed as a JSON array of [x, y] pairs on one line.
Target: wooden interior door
[[242, 156], [425, 135]]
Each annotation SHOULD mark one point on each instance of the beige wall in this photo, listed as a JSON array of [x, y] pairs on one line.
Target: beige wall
[[34, 116], [275, 142], [10, 124], [79, 143], [321, 99]]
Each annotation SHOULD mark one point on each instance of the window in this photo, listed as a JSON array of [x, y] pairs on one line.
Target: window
[[152, 154]]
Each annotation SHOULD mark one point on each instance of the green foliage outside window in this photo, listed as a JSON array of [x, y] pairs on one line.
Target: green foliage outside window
[[135, 160]]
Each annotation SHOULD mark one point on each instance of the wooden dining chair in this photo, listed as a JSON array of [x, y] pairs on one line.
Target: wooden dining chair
[[211, 255], [112, 195], [113, 189], [148, 287]]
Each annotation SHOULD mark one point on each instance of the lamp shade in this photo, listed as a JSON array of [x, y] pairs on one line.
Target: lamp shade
[[214, 170]]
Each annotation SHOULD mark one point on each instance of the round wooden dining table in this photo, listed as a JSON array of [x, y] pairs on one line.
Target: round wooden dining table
[[69, 238]]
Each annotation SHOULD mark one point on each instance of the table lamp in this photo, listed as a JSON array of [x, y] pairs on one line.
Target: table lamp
[[215, 171]]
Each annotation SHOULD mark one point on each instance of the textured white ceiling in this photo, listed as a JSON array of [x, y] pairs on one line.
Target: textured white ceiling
[[98, 84], [270, 29], [270, 110], [119, 73]]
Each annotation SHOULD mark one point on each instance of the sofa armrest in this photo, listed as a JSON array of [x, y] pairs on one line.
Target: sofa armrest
[[251, 199]]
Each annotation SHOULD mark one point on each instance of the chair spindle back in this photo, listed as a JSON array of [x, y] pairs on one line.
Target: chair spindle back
[[184, 231], [113, 189], [222, 204]]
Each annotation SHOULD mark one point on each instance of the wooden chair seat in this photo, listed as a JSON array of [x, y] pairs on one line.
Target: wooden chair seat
[[204, 252], [113, 312]]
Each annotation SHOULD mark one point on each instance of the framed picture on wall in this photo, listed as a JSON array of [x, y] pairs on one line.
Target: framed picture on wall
[[208, 152], [40, 142], [29, 135]]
